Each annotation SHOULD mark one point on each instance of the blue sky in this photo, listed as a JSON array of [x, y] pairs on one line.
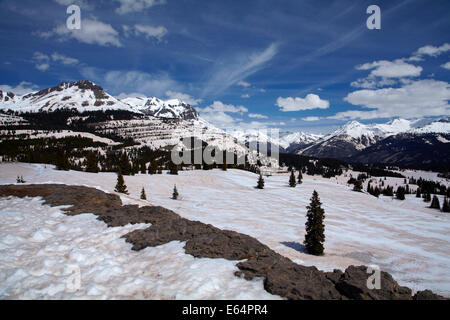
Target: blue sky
[[294, 65]]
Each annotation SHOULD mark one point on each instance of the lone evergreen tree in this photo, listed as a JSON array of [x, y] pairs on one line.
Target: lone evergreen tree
[[260, 184], [400, 194], [300, 177], [143, 196], [175, 193], [418, 195], [120, 186], [292, 182], [92, 162], [435, 203], [315, 229]]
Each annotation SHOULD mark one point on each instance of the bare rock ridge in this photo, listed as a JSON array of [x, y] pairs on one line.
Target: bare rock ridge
[[281, 276]]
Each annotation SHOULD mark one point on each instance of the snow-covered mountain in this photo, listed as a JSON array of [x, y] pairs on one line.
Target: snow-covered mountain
[[81, 95], [173, 108], [354, 137]]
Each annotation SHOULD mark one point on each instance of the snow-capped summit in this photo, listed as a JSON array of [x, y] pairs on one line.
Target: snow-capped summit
[[80, 95], [173, 108]]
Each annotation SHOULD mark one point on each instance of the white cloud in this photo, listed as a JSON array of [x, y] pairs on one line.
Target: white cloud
[[310, 102], [243, 84], [257, 116], [183, 97], [64, 59], [22, 88], [42, 61], [391, 69], [415, 99], [372, 82], [122, 81], [245, 96], [432, 50], [81, 3], [219, 106], [128, 6], [446, 65], [233, 69], [150, 31], [218, 114], [309, 119], [91, 32]]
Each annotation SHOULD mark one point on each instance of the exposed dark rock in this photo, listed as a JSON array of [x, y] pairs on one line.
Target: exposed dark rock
[[353, 284], [427, 295], [281, 276]]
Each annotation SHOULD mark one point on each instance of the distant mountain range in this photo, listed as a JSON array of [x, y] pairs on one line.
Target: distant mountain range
[[159, 123]]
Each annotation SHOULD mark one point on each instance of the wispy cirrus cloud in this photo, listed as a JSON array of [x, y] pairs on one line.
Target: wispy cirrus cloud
[[127, 81], [230, 71], [129, 6], [147, 31]]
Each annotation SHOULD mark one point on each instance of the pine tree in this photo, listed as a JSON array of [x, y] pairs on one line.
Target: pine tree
[[446, 205], [124, 164], [152, 167], [120, 186], [92, 163], [435, 203], [400, 194], [300, 177], [427, 197], [315, 229], [292, 182], [143, 168], [62, 161], [418, 195], [260, 184], [143, 196], [358, 186], [175, 193]]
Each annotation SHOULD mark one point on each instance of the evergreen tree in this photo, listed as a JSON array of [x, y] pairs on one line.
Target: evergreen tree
[[92, 163], [62, 161], [260, 184], [427, 197], [299, 177], [292, 182], [435, 203], [120, 186], [400, 194], [175, 193], [124, 164], [152, 167], [143, 196], [418, 195], [358, 186], [315, 229], [446, 205], [143, 168]]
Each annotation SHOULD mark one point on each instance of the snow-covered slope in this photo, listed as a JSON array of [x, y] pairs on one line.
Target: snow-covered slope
[[172, 109], [81, 95]]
